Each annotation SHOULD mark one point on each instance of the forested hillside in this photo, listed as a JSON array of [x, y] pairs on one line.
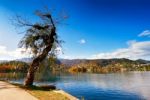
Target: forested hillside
[[13, 66], [106, 65]]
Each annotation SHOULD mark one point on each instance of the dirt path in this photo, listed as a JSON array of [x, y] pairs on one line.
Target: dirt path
[[11, 92]]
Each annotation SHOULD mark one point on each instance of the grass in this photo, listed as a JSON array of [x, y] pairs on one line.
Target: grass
[[43, 94], [47, 95]]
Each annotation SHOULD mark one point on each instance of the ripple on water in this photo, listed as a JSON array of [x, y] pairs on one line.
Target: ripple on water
[[90, 92], [117, 86]]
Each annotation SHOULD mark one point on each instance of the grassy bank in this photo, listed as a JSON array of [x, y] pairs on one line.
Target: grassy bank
[[47, 95], [43, 94]]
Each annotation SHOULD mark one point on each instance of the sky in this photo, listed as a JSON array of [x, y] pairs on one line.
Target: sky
[[95, 29]]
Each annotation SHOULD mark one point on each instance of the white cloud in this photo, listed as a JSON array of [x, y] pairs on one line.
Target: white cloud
[[135, 50], [14, 54], [145, 33], [82, 41], [19, 53]]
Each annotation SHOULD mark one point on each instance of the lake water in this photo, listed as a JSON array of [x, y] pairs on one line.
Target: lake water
[[116, 86]]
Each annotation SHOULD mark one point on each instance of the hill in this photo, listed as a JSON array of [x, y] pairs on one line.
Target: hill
[[105, 65], [102, 62]]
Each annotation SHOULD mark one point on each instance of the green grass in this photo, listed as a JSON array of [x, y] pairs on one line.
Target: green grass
[[42, 94], [47, 95]]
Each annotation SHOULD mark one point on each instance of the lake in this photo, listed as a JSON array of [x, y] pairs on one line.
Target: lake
[[115, 86]]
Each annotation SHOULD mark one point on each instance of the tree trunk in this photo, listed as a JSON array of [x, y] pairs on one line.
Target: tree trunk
[[35, 63], [34, 66], [30, 77]]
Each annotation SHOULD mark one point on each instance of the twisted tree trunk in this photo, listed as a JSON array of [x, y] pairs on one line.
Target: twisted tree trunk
[[35, 63]]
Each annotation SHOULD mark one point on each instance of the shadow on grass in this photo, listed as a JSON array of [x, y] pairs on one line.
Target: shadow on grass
[[43, 87]]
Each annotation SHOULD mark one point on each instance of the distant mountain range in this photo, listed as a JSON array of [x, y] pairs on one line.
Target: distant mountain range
[[102, 62], [3, 61], [27, 60], [95, 65]]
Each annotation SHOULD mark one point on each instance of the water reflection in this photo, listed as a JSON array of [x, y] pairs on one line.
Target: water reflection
[[133, 82], [12, 76], [134, 85], [124, 86]]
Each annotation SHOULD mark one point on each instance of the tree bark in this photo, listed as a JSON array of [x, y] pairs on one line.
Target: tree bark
[[30, 77], [35, 63]]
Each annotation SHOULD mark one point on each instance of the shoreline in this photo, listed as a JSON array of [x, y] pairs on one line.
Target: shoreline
[[71, 97], [33, 91]]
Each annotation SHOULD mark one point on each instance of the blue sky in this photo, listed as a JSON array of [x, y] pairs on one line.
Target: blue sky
[[95, 29]]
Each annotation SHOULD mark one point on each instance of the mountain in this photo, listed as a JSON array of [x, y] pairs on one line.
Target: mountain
[[105, 65], [27, 60], [3, 61], [69, 62], [143, 61], [102, 62]]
